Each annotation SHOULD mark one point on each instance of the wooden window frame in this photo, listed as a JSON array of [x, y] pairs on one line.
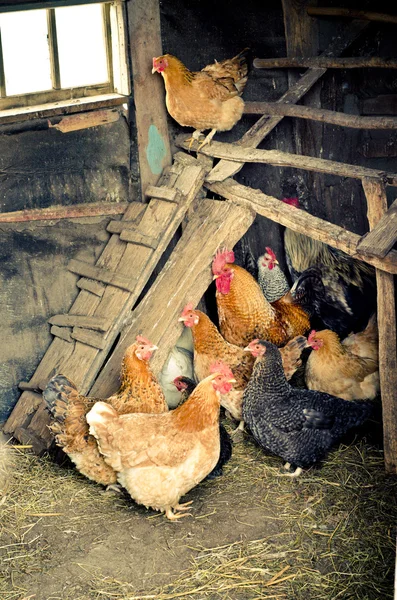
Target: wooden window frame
[[46, 103]]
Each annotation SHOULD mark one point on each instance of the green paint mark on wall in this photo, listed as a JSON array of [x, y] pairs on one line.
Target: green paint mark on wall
[[155, 150]]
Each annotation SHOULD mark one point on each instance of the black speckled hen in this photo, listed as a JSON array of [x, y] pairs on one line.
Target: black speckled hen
[[186, 386], [298, 425]]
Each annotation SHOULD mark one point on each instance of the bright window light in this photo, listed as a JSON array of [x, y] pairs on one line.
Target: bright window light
[[26, 53], [81, 45]]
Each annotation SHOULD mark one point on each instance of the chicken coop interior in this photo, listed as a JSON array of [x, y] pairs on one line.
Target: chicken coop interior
[[171, 170]]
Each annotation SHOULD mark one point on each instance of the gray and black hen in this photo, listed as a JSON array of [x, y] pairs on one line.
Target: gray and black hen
[[298, 425]]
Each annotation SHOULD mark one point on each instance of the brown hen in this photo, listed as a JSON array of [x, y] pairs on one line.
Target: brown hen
[[245, 314], [139, 392]]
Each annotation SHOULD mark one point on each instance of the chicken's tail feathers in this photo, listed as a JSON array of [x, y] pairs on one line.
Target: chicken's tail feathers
[[360, 411], [291, 354], [56, 396], [371, 329]]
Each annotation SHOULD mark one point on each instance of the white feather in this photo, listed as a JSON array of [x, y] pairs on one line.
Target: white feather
[[179, 362]]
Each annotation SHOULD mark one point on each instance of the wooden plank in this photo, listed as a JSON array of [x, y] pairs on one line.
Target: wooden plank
[[39, 446], [316, 11], [384, 104], [384, 235], [265, 125], [101, 274], [95, 287], [301, 221], [90, 338], [135, 237], [39, 424], [163, 193], [23, 411], [285, 159], [76, 211], [96, 323], [61, 332], [377, 206], [322, 62], [184, 278], [86, 120], [150, 110], [323, 115]]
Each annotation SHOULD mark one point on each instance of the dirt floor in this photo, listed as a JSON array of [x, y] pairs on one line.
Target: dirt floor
[[253, 534]]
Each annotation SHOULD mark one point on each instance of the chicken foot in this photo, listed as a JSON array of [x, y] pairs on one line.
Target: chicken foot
[[196, 135], [207, 140], [295, 474], [175, 516]]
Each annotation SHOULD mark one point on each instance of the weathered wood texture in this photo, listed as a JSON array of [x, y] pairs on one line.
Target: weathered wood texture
[[81, 360], [86, 120], [300, 221], [315, 62], [233, 152], [317, 114], [383, 236], [384, 104], [150, 110], [76, 211], [377, 206], [184, 278], [265, 125], [317, 11]]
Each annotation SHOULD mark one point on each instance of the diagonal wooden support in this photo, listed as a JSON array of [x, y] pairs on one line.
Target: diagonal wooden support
[[382, 238], [377, 205], [265, 125], [184, 278]]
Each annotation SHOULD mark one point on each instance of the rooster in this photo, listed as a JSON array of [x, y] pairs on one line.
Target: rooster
[[245, 314], [298, 425], [209, 346], [349, 284], [160, 457], [207, 99], [350, 369], [139, 392], [186, 387], [271, 279]]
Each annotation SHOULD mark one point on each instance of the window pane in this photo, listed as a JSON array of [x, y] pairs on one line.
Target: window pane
[[81, 45], [25, 52]]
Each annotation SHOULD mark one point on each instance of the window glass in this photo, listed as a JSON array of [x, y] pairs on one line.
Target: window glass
[[81, 45], [26, 53]]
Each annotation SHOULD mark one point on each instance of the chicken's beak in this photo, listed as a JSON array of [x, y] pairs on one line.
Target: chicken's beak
[[153, 347], [215, 277], [231, 381], [276, 262], [181, 319], [154, 70], [247, 349]]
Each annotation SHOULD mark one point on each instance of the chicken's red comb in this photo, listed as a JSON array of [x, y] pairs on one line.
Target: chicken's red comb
[[187, 309], [221, 367], [221, 258], [311, 336], [270, 253], [142, 340], [291, 201]]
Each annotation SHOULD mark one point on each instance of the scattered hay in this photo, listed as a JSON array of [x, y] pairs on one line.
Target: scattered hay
[[334, 530]]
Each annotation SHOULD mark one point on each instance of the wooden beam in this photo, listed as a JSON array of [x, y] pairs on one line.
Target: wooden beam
[[76, 211], [163, 193], [351, 13], [377, 206], [384, 235], [323, 115], [96, 323], [300, 221], [101, 274], [324, 62], [150, 110], [233, 152], [184, 278], [265, 125], [86, 120]]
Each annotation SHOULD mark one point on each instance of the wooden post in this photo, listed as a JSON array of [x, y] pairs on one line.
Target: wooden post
[[148, 90], [377, 205]]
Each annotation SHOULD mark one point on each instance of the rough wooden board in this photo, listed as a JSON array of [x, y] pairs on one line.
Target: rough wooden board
[[163, 193], [95, 287], [135, 237], [322, 115], [21, 415], [265, 125], [286, 159], [39, 424], [39, 446], [301, 221], [86, 120], [383, 236], [90, 338], [76, 211], [70, 320], [61, 332], [384, 104], [350, 13], [299, 62], [102, 274], [184, 278], [150, 111], [377, 205]]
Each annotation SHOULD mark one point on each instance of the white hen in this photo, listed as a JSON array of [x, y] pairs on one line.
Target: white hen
[[180, 362]]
